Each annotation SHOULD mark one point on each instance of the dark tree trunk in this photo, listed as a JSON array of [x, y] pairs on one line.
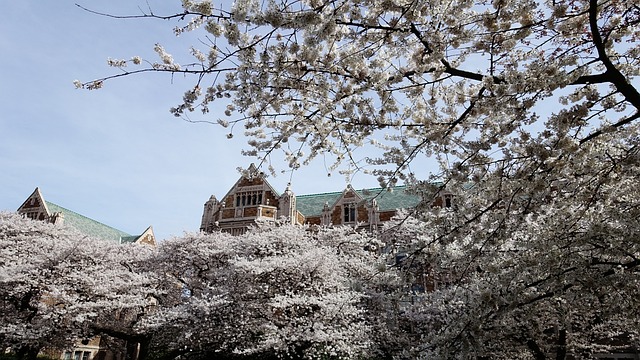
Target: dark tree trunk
[[535, 349], [27, 353], [561, 353], [143, 350], [131, 351]]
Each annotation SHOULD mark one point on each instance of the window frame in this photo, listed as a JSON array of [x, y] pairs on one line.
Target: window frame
[[349, 213]]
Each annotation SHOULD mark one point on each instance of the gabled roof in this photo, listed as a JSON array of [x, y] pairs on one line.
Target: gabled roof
[[35, 200], [88, 226], [388, 200], [252, 171]]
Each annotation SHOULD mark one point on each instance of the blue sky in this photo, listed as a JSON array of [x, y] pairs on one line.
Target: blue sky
[[116, 155]]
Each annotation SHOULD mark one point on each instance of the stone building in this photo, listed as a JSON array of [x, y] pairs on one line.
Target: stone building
[[252, 198]]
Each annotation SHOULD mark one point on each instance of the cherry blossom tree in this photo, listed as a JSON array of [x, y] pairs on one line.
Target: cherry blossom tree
[[458, 80], [281, 291], [528, 280], [529, 107], [274, 292], [57, 285]]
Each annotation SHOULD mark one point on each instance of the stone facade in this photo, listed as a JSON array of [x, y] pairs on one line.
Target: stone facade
[[250, 199], [253, 199]]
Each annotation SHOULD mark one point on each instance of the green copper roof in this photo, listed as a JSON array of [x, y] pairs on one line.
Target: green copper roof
[[88, 226], [129, 239], [388, 199], [312, 204]]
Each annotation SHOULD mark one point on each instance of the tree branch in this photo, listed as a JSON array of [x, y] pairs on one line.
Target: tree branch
[[615, 76]]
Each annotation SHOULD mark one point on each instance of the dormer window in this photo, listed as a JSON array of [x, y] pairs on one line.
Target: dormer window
[[349, 212]]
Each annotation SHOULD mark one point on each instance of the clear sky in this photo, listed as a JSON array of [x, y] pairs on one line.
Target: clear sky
[[116, 155]]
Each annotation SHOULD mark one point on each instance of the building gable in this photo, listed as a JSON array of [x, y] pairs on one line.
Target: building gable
[[147, 237], [35, 207], [251, 198]]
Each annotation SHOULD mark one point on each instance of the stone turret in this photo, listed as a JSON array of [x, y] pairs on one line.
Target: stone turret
[[208, 216], [326, 215], [57, 218], [287, 208], [374, 215]]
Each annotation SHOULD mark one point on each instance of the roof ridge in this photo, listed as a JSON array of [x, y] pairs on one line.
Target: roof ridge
[[357, 190], [88, 218], [316, 194]]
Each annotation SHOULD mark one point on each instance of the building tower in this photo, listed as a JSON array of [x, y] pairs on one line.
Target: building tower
[[208, 216], [287, 208]]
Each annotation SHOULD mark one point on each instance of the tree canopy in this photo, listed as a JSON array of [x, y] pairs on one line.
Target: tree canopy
[[275, 292], [57, 286], [530, 108], [470, 82]]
